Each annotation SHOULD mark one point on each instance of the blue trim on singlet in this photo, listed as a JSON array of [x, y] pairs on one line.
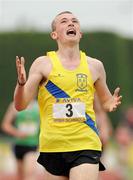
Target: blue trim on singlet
[[91, 123], [59, 93], [56, 91]]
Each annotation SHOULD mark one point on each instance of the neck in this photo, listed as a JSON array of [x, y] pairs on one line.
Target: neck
[[70, 53]]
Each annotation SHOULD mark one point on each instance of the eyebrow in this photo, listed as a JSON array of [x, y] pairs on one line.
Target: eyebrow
[[67, 18], [63, 19]]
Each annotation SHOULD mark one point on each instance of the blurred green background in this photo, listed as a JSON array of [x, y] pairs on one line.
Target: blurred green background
[[114, 51]]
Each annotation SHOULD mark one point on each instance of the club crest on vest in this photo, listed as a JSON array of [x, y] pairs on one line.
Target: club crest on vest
[[81, 82]]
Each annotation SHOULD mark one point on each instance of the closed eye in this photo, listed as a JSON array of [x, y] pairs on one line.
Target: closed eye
[[75, 21], [64, 21]]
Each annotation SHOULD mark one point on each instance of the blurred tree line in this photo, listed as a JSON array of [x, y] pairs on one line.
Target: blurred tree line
[[114, 51]]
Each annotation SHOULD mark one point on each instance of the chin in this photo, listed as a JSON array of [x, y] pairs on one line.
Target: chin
[[73, 39]]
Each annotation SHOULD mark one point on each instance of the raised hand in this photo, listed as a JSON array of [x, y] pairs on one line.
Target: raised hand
[[21, 70], [116, 100]]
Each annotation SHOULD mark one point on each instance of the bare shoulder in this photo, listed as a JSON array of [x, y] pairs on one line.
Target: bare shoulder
[[41, 65], [94, 62], [96, 67], [42, 60]]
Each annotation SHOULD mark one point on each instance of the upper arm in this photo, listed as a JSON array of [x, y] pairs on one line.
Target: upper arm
[[34, 79], [36, 74]]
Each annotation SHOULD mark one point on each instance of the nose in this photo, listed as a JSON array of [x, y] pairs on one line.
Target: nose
[[71, 24]]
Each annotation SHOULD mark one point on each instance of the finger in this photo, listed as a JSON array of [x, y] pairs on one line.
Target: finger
[[116, 92], [113, 109], [17, 58], [22, 61], [117, 104], [18, 64], [17, 61], [119, 99]]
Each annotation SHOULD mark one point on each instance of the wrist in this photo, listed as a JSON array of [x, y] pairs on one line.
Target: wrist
[[21, 84]]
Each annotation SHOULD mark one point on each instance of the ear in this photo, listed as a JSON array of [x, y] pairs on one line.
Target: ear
[[53, 35]]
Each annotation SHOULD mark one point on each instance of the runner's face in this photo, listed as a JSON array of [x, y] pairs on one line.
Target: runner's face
[[67, 28]]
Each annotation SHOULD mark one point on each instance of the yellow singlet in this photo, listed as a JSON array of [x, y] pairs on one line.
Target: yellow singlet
[[66, 109]]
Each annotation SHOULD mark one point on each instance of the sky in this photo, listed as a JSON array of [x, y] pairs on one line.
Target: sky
[[94, 15]]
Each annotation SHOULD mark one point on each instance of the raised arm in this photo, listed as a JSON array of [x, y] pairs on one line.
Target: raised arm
[[26, 89], [109, 102]]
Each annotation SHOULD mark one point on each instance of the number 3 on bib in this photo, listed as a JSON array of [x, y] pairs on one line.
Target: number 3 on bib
[[69, 111]]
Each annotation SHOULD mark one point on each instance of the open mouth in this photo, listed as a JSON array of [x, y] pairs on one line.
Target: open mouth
[[71, 32]]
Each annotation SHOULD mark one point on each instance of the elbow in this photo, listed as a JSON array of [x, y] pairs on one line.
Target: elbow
[[19, 107], [19, 104]]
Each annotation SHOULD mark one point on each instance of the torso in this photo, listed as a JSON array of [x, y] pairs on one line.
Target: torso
[[64, 86]]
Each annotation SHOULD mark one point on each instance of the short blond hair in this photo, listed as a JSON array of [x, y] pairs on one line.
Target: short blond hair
[[53, 26]]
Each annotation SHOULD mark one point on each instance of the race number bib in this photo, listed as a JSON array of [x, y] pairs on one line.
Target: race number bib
[[69, 112]]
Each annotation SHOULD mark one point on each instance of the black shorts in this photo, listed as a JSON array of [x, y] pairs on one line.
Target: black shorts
[[20, 151], [60, 163]]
